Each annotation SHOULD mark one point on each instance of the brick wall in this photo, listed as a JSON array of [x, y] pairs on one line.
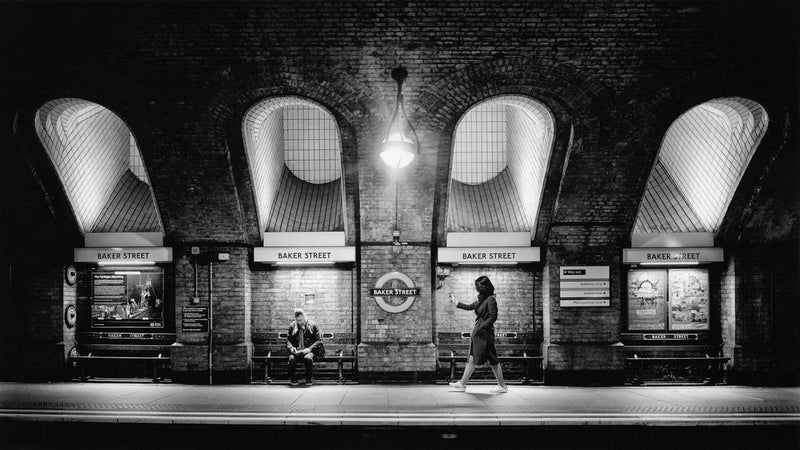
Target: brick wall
[[43, 338], [614, 76], [232, 299], [582, 344], [396, 342], [725, 295], [276, 292], [514, 290], [767, 305]]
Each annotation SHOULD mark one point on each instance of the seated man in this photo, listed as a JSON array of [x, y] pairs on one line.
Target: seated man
[[303, 342]]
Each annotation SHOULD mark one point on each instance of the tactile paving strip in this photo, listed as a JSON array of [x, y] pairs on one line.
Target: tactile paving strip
[[787, 408]]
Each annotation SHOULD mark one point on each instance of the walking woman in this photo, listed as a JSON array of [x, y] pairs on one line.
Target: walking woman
[[481, 348]]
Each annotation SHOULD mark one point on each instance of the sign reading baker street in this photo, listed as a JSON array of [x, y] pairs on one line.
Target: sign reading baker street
[[394, 292], [671, 337], [123, 255], [488, 255], [670, 255], [304, 255]]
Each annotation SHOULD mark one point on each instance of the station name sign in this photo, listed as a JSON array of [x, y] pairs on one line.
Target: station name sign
[[123, 255], [488, 255], [672, 255], [395, 291], [671, 337], [308, 255]]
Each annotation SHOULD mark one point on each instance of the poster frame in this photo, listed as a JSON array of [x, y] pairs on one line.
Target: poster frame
[[668, 322], [707, 312], [160, 288], [664, 299]]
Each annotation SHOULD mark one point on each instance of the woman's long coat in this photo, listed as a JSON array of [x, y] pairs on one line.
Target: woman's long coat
[[482, 343]]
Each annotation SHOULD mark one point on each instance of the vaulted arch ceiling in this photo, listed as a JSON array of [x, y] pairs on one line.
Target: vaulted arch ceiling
[[501, 150], [702, 158], [293, 149], [99, 164]]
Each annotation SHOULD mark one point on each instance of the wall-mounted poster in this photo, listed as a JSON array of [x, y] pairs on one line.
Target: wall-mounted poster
[[647, 300], [688, 299], [128, 299]]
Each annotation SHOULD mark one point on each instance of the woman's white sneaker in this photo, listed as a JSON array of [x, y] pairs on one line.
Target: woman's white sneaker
[[499, 390], [458, 386]]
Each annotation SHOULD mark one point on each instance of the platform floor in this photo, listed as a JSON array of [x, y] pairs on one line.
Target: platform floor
[[401, 407]]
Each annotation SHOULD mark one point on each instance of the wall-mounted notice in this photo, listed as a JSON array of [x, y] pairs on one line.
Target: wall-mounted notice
[[128, 299], [647, 297], [688, 299], [584, 286], [195, 319]]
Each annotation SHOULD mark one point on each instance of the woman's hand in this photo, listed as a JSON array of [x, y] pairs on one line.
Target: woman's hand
[[452, 298]]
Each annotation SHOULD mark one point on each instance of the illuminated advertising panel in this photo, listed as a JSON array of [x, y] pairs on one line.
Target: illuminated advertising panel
[[647, 299], [128, 298], [688, 299], [668, 300]]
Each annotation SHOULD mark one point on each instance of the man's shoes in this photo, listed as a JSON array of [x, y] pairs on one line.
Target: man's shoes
[[457, 385], [293, 383], [499, 390], [309, 382]]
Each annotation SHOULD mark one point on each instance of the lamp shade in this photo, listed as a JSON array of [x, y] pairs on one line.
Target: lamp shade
[[400, 145], [398, 150]]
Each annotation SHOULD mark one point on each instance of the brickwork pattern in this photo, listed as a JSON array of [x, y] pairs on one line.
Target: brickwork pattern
[[231, 294], [584, 246], [514, 288], [276, 292], [412, 326], [767, 335], [727, 301]]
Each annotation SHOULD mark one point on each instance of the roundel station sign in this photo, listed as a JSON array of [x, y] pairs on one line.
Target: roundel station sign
[[394, 292]]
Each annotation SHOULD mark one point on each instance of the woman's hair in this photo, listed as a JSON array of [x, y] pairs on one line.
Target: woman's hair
[[484, 285]]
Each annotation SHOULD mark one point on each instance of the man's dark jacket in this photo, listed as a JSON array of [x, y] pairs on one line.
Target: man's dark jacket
[[311, 338]]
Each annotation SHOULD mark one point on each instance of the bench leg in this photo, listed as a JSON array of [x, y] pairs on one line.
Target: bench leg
[[526, 378], [341, 372], [81, 371], [713, 373], [155, 372], [266, 372], [638, 370], [452, 372]]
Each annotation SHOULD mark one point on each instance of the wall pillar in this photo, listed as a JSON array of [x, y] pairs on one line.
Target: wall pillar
[[231, 296], [43, 340], [396, 346], [582, 344]]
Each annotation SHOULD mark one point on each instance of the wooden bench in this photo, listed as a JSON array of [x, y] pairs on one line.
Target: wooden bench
[[272, 356], [87, 358], [517, 349], [707, 358]]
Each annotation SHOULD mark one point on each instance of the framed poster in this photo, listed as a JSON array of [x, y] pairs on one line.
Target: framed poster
[[688, 299], [128, 299], [647, 300]]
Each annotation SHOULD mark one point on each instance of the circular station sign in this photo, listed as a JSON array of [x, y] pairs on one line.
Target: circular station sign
[[394, 292]]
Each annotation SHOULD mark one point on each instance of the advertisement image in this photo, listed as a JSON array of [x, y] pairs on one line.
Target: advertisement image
[[688, 299], [128, 299], [647, 300]]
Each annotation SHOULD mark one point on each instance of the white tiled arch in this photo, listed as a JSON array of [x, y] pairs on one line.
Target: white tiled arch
[[502, 144], [98, 161], [702, 159], [294, 140]]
